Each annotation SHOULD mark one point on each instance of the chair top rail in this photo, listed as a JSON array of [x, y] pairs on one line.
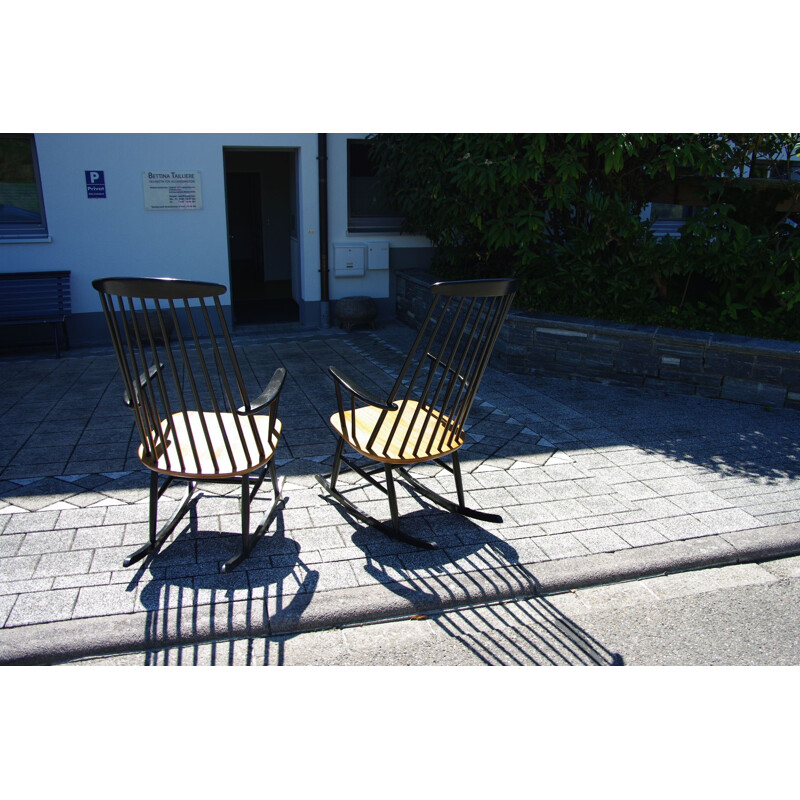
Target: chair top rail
[[480, 287], [159, 288]]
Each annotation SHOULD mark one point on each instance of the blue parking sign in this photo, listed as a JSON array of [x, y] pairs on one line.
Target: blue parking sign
[[95, 183]]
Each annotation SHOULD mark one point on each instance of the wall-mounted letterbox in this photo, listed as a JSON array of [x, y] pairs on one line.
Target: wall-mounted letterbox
[[349, 260], [378, 255]]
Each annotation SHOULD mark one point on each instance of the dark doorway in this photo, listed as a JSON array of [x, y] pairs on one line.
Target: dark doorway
[[261, 207]]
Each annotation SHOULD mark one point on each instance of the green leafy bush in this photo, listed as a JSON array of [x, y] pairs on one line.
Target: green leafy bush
[[562, 212]]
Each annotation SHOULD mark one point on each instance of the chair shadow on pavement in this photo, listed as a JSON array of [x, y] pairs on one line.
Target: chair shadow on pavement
[[205, 610], [532, 632], [457, 586]]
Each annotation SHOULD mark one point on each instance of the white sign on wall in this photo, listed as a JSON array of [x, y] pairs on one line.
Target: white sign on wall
[[172, 190]]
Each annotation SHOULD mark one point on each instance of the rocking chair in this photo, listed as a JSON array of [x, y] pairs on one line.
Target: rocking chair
[[424, 415], [192, 411]]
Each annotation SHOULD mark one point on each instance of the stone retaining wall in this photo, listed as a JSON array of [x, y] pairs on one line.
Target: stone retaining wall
[[762, 371]]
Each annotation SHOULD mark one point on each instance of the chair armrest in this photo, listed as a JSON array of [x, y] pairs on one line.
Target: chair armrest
[[361, 394], [142, 379], [268, 396]]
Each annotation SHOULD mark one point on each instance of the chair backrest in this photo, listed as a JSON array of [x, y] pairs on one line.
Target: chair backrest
[[441, 375], [180, 372]]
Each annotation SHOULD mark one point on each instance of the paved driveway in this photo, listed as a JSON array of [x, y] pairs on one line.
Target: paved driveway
[[594, 483]]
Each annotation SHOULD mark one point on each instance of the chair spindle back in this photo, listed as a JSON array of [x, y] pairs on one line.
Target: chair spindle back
[[446, 363], [181, 375]]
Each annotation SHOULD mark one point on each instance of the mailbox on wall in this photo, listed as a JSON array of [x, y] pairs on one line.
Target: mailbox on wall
[[349, 260], [378, 257]]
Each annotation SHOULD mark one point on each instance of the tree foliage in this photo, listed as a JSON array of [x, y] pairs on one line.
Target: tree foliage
[[562, 212]]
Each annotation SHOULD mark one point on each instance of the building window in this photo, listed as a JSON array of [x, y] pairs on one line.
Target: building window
[[777, 169], [668, 219], [21, 203], [368, 209]]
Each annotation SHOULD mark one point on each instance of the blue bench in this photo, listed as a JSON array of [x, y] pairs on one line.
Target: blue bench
[[36, 297]]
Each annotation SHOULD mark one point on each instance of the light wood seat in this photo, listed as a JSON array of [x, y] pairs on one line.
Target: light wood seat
[[423, 417], [405, 436], [231, 449]]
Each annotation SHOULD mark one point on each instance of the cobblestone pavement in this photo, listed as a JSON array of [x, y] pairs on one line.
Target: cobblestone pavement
[[582, 474]]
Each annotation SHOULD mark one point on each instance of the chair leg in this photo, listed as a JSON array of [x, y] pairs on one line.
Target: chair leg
[[273, 473], [245, 515], [248, 539], [392, 497], [157, 539], [337, 462], [457, 478]]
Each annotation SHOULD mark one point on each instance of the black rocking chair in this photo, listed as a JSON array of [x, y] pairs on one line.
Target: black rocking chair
[[423, 417], [188, 397]]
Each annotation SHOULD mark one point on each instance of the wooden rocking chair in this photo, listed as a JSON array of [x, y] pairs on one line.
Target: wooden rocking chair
[[423, 417], [188, 397]]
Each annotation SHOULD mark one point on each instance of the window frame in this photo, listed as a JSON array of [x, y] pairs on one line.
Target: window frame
[[24, 231]]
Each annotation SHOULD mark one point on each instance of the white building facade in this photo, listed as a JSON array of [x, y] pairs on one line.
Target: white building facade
[[286, 231]]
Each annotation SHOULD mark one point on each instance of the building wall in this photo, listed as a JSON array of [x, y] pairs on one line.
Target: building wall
[[374, 283], [116, 235]]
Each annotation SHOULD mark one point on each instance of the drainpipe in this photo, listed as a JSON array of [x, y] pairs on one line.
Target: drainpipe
[[322, 159]]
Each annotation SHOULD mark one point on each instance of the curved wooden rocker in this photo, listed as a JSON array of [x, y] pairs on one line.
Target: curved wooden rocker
[[423, 417], [193, 414]]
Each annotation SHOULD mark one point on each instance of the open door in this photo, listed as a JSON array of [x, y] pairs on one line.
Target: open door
[[261, 211]]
